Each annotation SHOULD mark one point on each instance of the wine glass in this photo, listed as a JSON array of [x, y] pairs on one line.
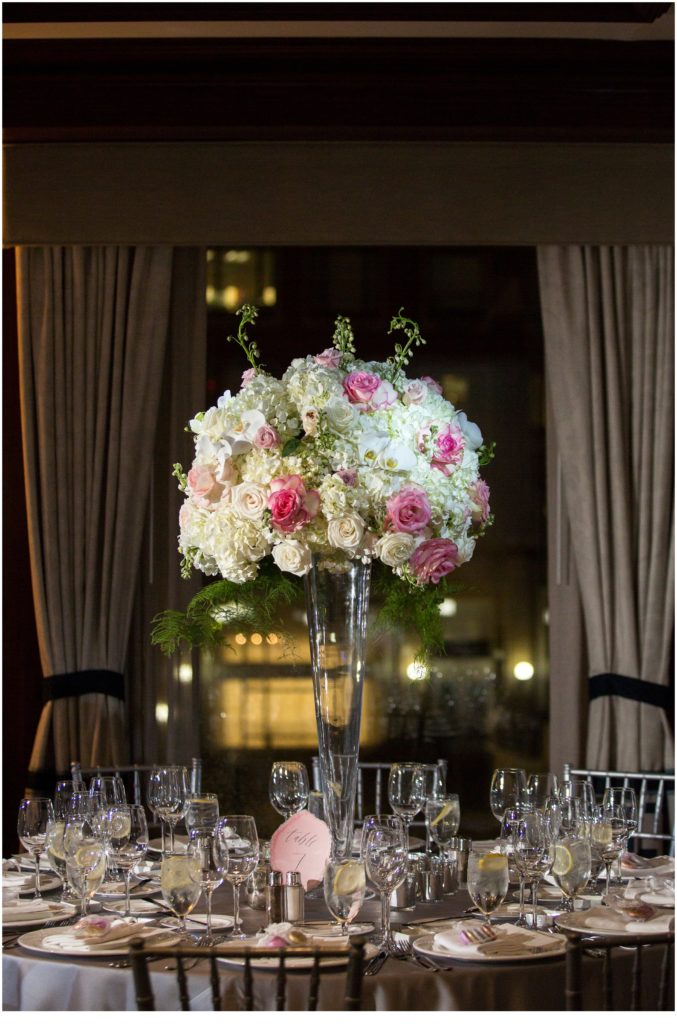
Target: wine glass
[[581, 790], [85, 859], [236, 851], [621, 801], [386, 854], [181, 883], [63, 792], [288, 787], [344, 887], [110, 788], [406, 791], [167, 792], [487, 881], [541, 787], [36, 814], [202, 814], [127, 840], [530, 841], [571, 867], [508, 789], [202, 847]]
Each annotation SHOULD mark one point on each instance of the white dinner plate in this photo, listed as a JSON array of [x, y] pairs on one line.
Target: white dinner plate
[[657, 899], [297, 963], [333, 929], [615, 924], [27, 884], [544, 947], [65, 911], [137, 891], [219, 921], [155, 937], [180, 844]]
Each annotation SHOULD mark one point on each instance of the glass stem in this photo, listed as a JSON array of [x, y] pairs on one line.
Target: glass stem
[[128, 906], [38, 890], [162, 830], [534, 902], [385, 918], [521, 919], [237, 930], [209, 915], [171, 837], [608, 877]]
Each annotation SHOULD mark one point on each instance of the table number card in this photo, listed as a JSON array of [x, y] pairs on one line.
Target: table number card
[[302, 844]]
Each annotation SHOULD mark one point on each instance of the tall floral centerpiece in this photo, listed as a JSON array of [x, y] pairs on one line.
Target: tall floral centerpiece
[[339, 466]]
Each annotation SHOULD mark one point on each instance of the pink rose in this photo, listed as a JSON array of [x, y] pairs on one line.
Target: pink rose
[[291, 505], [434, 559], [266, 437], [408, 511], [479, 501], [204, 486], [432, 384], [248, 376], [348, 476], [384, 396], [448, 448], [331, 358], [359, 387], [415, 393]]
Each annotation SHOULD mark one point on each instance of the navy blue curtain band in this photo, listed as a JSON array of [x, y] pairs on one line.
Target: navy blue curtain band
[[89, 680], [609, 684]]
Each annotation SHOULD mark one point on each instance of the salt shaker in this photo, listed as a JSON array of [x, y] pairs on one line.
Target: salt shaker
[[293, 898], [275, 898]]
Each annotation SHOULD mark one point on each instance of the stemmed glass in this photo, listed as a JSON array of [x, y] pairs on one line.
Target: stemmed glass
[[621, 802], [36, 814], [288, 787], [384, 842], [607, 835], [571, 867], [181, 883], [530, 841], [110, 788], [63, 793], [236, 851], [434, 789], [202, 814], [581, 790], [508, 789], [85, 858], [344, 887], [406, 792], [167, 792], [487, 881], [443, 818], [541, 787], [127, 840], [202, 847]]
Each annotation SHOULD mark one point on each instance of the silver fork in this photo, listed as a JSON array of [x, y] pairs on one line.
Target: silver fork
[[403, 949]]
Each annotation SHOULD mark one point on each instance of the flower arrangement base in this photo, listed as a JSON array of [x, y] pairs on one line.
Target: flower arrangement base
[[337, 599]]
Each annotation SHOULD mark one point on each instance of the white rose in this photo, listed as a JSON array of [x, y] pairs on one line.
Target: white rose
[[415, 393], [292, 556], [340, 414], [346, 532], [466, 548], [471, 432], [249, 500], [395, 548]]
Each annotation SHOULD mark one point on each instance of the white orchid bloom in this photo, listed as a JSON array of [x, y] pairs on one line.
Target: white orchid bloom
[[371, 445], [471, 432], [397, 458], [241, 435]]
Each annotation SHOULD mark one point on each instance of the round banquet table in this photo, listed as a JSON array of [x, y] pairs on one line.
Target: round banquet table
[[41, 982]]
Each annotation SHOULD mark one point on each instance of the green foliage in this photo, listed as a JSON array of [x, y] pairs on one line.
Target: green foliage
[[344, 339], [402, 355], [248, 315], [486, 453], [292, 445], [405, 604], [222, 609]]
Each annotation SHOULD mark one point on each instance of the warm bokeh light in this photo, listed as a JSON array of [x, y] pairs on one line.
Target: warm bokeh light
[[416, 671], [256, 639], [162, 713], [241, 639], [523, 670], [448, 608]]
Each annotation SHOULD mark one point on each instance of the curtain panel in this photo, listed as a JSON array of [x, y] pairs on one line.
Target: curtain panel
[[93, 325], [609, 348]]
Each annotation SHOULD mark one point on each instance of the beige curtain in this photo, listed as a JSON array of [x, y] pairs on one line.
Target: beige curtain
[[608, 322], [92, 331]]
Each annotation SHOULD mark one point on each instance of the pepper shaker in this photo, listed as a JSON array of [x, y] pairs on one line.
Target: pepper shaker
[[275, 898]]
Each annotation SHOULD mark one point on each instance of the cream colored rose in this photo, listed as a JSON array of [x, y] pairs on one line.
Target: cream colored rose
[[292, 556], [340, 414], [346, 532], [395, 548], [249, 500]]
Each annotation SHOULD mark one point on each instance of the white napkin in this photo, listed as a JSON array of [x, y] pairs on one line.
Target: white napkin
[[16, 880], [606, 919], [72, 940], [645, 867], [32, 909], [451, 941]]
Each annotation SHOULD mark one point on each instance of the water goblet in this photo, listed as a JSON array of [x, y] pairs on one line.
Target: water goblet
[[571, 867], [443, 818], [435, 787], [508, 789], [344, 887], [406, 791], [63, 792], [236, 851], [386, 856], [181, 883], [167, 792], [127, 841], [487, 881], [36, 814], [202, 814], [110, 788], [85, 859], [288, 787], [202, 847]]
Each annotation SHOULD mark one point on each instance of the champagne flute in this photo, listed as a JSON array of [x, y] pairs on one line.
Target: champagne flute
[[288, 787], [345, 880], [202, 814], [202, 847], [487, 881], [236, 850], [406, 791], [169, 788], [181, 883], [386, 854], [36, 814], [128, 841], [508, 789]]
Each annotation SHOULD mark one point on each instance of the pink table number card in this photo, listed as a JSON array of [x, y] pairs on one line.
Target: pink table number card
[[302, 844]]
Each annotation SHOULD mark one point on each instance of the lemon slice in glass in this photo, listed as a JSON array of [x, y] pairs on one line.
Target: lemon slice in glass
[[446, 810], [563, 861], [87, 857], [349, 878], [493, 862], [120, 826]]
